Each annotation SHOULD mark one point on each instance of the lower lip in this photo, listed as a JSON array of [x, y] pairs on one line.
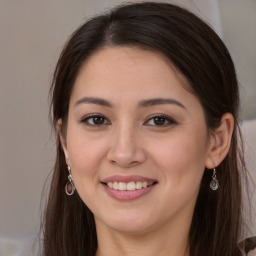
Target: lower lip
[[128, 195]]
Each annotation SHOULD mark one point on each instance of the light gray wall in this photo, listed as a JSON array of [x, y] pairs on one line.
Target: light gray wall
[[239, 33], [32, 34]]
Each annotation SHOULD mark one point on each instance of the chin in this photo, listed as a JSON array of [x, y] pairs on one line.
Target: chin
[[129, 228], [128, 222]]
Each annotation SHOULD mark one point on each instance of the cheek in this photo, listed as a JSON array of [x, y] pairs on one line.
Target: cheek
[[180, 162], [83, 148], [86, 158], [181, 159]]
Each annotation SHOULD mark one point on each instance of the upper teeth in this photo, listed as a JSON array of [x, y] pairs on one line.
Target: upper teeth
[[129, 186]]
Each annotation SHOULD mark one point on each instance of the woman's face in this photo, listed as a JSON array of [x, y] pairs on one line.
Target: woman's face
[[136, 141]]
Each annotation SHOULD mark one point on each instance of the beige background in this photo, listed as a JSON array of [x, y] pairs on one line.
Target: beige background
[[32, 34]]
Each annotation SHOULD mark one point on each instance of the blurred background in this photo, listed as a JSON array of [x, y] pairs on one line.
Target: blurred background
[[32, 34]]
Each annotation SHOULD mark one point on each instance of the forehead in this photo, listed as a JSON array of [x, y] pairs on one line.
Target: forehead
[[131, 70]]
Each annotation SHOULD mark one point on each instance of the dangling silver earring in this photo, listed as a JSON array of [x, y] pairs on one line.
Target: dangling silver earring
[[214, 184], [70, 186]]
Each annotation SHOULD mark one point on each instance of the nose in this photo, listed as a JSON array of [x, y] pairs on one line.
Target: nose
[[126, 149]]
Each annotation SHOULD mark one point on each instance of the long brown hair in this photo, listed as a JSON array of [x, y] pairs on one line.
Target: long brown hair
[[200, 55]]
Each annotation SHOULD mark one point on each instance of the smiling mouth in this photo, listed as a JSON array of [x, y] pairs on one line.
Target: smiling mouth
[[129, 186]]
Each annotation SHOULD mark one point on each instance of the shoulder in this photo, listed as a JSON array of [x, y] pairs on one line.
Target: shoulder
[[249, 246], [252, 253]]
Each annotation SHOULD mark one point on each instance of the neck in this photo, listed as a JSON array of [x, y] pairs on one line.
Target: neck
[[158, 242]]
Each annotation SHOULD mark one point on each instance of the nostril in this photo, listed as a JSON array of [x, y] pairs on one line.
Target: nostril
[[124, 162], [126, 155]]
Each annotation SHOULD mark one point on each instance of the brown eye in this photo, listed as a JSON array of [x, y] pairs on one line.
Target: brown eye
[[95, 120], [98, 120], [160, 120]]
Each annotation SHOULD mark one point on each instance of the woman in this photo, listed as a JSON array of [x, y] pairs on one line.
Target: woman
[[145, 105]]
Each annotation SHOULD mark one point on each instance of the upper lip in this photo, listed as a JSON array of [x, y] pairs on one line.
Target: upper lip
[[126, 179]]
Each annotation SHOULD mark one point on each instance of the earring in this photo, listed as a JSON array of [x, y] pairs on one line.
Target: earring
[[214, 184], [70, 186]]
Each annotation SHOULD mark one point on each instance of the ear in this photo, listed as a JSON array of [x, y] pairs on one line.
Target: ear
[[220, 140], [62, 140]]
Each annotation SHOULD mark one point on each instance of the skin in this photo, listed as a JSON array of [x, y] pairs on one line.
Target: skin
[[129, 141]]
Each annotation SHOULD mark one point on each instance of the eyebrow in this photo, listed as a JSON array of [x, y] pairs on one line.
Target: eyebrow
[[92, 100], [143, 103], [160, 101]]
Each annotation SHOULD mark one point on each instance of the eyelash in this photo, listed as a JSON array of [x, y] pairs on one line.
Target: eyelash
[[92, 116], [166, 118]]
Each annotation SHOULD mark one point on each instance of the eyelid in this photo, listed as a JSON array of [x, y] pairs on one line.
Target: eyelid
[[92, 115], [168, 118]]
